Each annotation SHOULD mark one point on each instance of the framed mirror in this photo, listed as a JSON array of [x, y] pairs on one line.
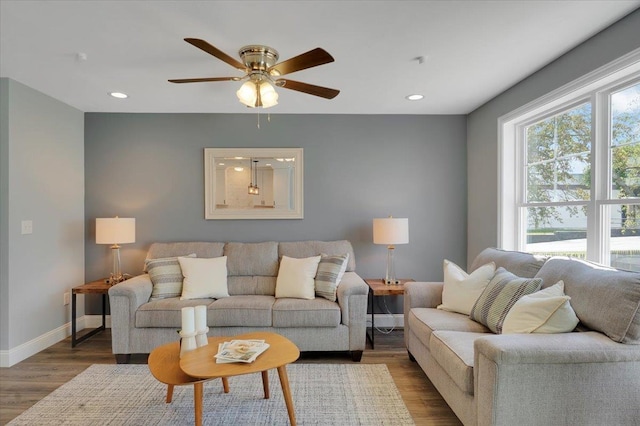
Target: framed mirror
[[253, 183]]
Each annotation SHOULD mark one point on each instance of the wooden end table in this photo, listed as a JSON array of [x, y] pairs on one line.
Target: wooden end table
[[94, 287], [377, 287], [199, 365]]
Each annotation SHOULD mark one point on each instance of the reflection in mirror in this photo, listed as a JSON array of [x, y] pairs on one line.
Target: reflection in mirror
[[253, 183]]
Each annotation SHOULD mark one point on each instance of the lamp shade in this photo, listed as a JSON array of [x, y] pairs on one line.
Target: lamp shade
[[391, 230], [115, 230]]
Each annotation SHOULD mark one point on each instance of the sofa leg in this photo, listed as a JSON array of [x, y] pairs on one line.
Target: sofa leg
[[123, 358], [411, 357], [356, 356]]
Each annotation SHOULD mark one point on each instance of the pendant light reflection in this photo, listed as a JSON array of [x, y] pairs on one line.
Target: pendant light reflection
[[253, 189]]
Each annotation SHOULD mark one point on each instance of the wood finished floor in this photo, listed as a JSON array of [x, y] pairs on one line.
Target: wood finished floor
[[29, 381]]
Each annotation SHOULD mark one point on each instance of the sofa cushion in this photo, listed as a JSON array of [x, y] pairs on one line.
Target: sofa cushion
[[318, 312], [603, 298], [165, 312], [204, 277], [313, 248], [201, 249], [461, 290], [546, 311], [502, 292], [521, 264], [453, 350], [423, 321], [252, 258], [248, 285], [241, 311], [166, 276]]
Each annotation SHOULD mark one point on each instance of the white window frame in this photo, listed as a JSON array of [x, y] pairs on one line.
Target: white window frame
[[595, 87]]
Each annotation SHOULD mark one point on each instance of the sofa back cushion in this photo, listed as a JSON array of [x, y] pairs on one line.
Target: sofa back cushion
[[246, 259], [524, 265], [201, 249], [301, 249], [603, 298], [255, 285]]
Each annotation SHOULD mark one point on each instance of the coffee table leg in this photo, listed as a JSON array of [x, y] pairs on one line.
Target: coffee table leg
[[197, 400], [265, 383], [169, 393], [286, 390], [225, 385]]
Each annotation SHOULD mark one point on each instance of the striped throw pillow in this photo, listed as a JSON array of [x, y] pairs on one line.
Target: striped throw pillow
[[166, 277], [330, 272], [502, 292]]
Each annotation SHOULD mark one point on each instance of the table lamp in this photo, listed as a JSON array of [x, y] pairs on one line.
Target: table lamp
[[115, 230], [390, 231]]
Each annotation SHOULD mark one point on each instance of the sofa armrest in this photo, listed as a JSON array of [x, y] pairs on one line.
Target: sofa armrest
[[352, 298], [351, 285], [124, 300], [577, 378], [422, 295], [138, 289]]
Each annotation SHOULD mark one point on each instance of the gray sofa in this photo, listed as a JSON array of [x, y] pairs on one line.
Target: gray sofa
[[587, 377], [139, 324]]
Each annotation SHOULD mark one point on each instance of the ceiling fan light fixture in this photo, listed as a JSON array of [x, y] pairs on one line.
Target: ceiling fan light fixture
[[247, 94], [268, 95]]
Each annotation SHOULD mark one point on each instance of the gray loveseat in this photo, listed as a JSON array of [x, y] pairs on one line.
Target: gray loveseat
[[139, 324], [587, 377]]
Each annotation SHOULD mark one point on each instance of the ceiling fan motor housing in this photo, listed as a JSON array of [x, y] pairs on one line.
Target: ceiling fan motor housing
[[258, 58]]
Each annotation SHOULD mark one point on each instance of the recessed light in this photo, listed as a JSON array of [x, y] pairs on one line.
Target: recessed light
[[415, 97], [119, 95]]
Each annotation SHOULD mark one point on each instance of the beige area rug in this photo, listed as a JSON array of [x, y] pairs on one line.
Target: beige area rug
[[323, 394]]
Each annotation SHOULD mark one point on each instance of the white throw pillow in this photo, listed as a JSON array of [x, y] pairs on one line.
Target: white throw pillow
[[461, 290], [545, 311], [296, 277], [204, 278]]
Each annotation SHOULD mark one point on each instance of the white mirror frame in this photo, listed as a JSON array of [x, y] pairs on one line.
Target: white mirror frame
[[210, 210]]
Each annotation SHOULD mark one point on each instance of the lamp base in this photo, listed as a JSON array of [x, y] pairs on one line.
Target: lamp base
[[391, 281]]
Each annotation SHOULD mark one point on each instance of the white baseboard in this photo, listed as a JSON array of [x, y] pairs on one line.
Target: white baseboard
[[21, 352], [387, 320], [93, 321]]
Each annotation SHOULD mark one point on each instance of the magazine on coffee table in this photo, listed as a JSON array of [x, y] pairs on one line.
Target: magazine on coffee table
[[240, 351]]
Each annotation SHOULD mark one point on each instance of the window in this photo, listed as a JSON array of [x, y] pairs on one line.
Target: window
[[570, 171]]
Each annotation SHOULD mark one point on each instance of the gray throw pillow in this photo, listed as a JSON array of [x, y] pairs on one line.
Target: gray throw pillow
[[166, 277], [330, 271], [502, 292]]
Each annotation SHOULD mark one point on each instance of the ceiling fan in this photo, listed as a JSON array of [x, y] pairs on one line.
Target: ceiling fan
[[262, 72]]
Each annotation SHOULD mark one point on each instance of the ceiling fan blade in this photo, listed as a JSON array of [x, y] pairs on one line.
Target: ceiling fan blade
[[323, 92], [310, 59], [203, 45], [202, 80]]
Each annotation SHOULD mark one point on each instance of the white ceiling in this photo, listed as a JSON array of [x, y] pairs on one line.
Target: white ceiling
[[474, 50]]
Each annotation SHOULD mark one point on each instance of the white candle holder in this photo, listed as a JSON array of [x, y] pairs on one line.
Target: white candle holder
[[188, 342], [201, 337]]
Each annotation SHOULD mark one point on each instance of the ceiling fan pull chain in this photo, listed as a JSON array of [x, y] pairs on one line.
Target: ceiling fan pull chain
[[269, 117], [258, 119]]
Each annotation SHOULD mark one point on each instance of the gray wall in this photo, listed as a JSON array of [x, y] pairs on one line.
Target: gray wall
[[482, 124], [42, 172], [150, 166]]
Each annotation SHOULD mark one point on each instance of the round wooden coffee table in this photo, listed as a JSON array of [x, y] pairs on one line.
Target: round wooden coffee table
[[200, 365], [164, 363]]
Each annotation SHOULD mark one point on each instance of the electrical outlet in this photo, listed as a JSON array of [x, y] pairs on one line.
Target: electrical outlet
[[67, 298]]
